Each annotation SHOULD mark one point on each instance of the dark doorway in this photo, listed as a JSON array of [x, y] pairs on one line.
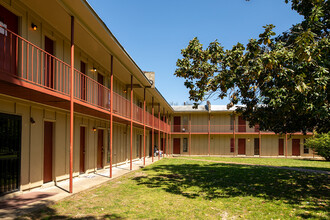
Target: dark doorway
[[241, 146], [176, 145], [177, 124], [256, 146], [82, 149], [49, 63], [83, 79], [280, 146], [48, 151], [296, 147], [100, 80], [241, 124], [10, 152], [100, 149], [8, 48]]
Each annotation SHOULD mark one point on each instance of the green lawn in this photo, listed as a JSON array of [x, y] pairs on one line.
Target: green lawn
[[188, 189], [282, 162]]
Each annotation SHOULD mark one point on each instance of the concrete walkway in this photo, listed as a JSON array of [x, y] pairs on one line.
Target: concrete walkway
[[40, 197], [260, 165]]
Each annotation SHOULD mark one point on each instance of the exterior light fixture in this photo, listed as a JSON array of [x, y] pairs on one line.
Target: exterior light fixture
[[125, 90], [94, 129], [248, 139], [94, 69], [34, 26]]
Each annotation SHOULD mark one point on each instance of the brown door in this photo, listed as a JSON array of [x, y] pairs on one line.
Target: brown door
[[83, 80], [241, 124], [256, 146], [100, 149], [100, 96], [177, 124], [82, 149], [296, 147], [8, 54], [241, 146], [176, 145], [48, 151], [280, 146], [49, 64]]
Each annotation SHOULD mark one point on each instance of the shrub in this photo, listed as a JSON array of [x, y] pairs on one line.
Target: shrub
[[320, 143]]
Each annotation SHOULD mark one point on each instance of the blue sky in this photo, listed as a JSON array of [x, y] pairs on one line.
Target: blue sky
[[153, 32]]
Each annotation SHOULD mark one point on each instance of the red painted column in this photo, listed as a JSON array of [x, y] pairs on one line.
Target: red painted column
[[152, 131], [190, 135], [209, 136], [163, 134], [259, 143], [170, 141], [234, 133], [158, 131], [111, 112], [71, 104], [167, 131], [131, 138], [144, 126], [286, 145]]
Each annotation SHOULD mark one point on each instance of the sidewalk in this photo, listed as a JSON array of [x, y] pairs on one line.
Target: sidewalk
[[40, 197]]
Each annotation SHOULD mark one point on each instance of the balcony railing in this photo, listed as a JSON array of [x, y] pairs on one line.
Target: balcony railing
[[212, 129], [22, 60]]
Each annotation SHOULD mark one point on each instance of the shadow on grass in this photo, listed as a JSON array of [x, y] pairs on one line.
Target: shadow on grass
[[46, 212], [209, 180]]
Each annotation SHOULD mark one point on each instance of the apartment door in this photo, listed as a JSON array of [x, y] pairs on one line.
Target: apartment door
[[280, 146], [82, 149], [8, 55], [49, 64], [241, 124], [176, 145], [100, 149], [100, 79], [295, 147], [241, 146], [256, 146], [177, 124], [83, 79], [48, 151], [10, 152]]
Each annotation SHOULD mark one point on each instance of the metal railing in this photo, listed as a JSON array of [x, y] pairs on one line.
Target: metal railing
[[23, 60]]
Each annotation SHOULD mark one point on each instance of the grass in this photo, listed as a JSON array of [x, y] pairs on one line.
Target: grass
[[188, 189], [282, 162]]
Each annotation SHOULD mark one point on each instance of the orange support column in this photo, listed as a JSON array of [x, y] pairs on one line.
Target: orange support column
[[163, 134], [259, 143], [167, 131], [209, 136], [131, 138], [144, 126], [158, 131], [152, 131], [170, 140], [189, 135], [234, 133], [111, 112], [286, 145], [71, 104]]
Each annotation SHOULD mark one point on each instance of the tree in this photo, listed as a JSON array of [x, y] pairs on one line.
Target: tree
[[282, 82], [320, 143]]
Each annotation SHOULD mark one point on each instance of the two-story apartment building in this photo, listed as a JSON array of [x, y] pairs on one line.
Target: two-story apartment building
[[215, 130], [72, 101]]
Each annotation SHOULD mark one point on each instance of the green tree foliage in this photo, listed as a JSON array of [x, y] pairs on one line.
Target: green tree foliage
[[282, 82], [320, 144]]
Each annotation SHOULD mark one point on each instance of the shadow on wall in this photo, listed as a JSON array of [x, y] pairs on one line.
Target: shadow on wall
[[214, 180]]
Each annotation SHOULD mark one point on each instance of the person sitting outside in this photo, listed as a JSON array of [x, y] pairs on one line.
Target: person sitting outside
[[157, 152]]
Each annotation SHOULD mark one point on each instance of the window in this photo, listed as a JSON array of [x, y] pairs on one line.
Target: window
[[185, 145], [306, 149], [232, 147]]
